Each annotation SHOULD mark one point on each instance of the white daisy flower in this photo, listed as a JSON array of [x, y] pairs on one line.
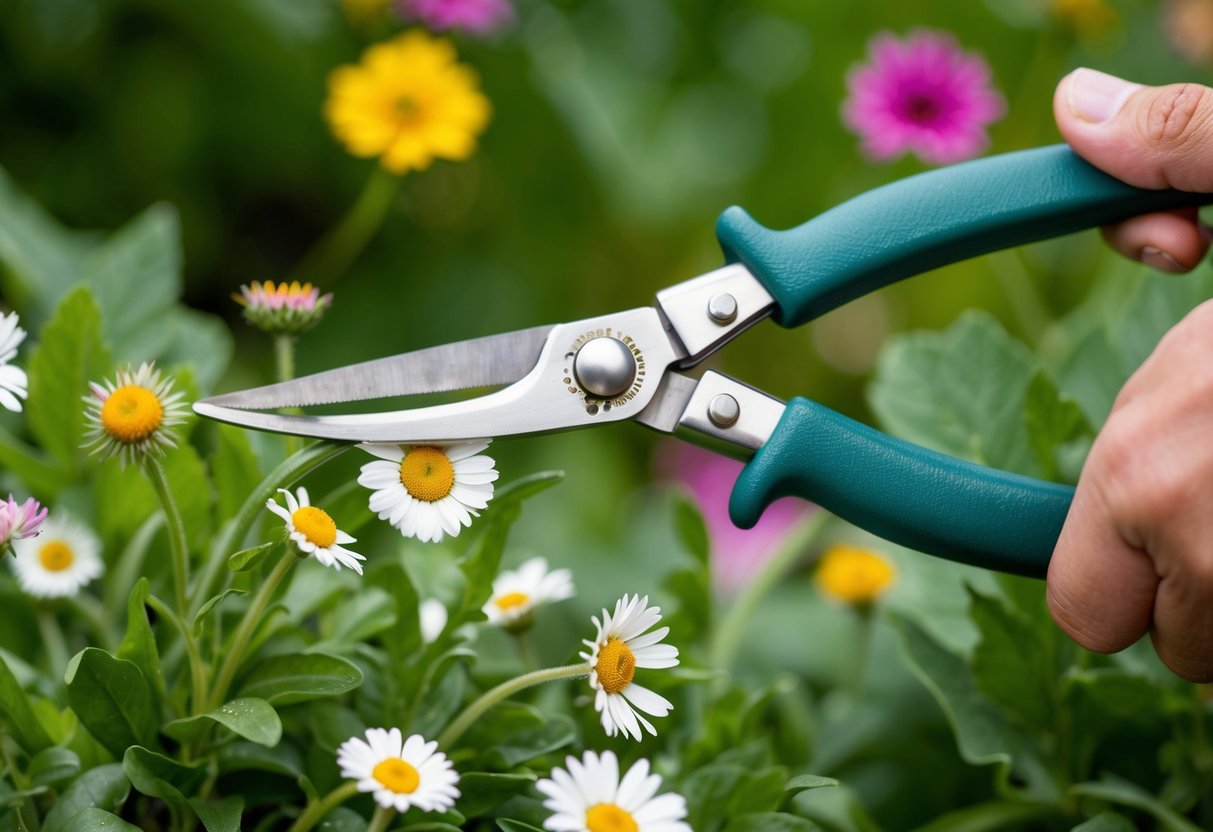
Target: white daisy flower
[[314, 532], [401, 773], [132, 416], [517, 592], [590, 797], [433, 616], [13, 382], [620, 647], [61, 560], [427, 491]]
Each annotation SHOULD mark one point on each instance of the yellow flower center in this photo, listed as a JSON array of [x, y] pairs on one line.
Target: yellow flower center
[[511, 600], [427, 474], [131, 414], [607, 817], [406, 107], [55, 555], [315, 524], [616, 666], [397, 776], [854, 575]]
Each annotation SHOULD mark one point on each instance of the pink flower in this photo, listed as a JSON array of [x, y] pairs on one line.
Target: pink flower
[[737, 554], [17, 522], [923, 95], [476, 17]]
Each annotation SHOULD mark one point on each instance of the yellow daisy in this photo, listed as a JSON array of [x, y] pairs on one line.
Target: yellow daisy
[[133, 415], [408, 102], [854, 575]]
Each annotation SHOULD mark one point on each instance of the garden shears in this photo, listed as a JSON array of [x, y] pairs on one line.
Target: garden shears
[[629, 365]]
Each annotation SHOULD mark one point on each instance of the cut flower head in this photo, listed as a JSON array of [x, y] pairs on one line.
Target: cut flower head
[[13, 382], [283, 308], [19, 521], [855, 575], [590, 797], [517, 592], [313, 531], [133, 416], [622, 645], [400, 773], [60, 561], [408, 102], [427, 491]]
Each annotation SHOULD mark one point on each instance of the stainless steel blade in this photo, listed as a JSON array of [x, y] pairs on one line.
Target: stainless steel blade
[[479, 362]]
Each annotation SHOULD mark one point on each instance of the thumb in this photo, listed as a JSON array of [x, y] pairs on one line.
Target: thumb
[[1151, 137]]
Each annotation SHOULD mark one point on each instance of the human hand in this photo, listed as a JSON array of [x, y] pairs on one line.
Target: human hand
[[1136, 552]]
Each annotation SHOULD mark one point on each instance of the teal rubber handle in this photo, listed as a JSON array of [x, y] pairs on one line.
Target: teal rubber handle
[[929, 220], [904, 493]]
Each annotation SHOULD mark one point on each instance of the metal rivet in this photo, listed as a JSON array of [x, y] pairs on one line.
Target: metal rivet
[[604, 367], [722, 308], [724, 410]]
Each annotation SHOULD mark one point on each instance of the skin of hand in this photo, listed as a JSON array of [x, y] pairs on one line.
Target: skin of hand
[[1136, 552]]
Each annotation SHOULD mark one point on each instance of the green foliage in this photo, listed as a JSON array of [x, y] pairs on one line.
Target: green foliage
[[112, 699]]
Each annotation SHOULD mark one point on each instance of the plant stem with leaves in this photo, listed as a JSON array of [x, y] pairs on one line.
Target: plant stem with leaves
[[503, 691]]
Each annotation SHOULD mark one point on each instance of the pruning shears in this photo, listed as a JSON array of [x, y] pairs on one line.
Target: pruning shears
[[630, 365]]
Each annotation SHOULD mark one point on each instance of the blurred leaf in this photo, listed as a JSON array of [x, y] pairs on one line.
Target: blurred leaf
[[98, 820], [155, 775], [507, 825], [343, 819], [992, 815], [1058, 430], [691, 528], [39, 474], [219, 815], [199, 340], [212, 603], [1123, 793], [404, 637], [284, 680], [191, 487], [247, 559], [362, 616], [515, 749], [246, 756], [960, 391], [139, 644], [770, 822], [254, 719], [524, 488], [1108, 821], [112, 700], [483, 791], [16, 708], [1010, 665], [806, 782], [122, 518], [235, 470], [104, 787], [721, 790], [52, 765], [70, 353]]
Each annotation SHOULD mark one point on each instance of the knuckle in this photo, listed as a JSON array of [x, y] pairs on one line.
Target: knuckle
[[1176, 115], [1069, 613]]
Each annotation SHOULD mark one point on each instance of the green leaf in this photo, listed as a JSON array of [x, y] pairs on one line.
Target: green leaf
[[691, 529], [15, 706], [282, 759], [1058, 430], [343, 819], [363, 615], [770, 822], [254, 719], [190, 485], [508, 825], [156, 775], [248, 559], [205, 609], [1010, 665], [219, 815], [992, 815], [199, 340], [70, 353], [524, 488], [39, 474], [1123, 793], [806, 782], [520, 747], [139, 644], [283, 680], [721, 790], [483, 791], [104, 787], [53, 765], [960, 391], [112, 700], [404, 637], [235, 471], [98, 820], [1108, 821]]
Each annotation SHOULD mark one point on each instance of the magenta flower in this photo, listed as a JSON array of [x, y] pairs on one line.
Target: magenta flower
[[923, 95], [17, 522], [475, 17], [737, 554]]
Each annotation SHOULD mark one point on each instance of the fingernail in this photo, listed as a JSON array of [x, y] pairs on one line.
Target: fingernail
[[1156, 258], [1097, 96]]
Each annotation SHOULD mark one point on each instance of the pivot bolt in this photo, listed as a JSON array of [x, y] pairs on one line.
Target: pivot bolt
[[604, 367], [724, 411], [722, 308]]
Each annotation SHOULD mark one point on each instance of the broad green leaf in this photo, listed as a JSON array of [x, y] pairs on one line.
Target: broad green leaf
[[362, 616], [343, 819], [212, 603], [524, 488], [199, 340], [283, 680], [517, 748], [53, 765], [15, 707], [509, 825], [39, 474], [282, 759], [1010, 665], [806, 782], [691, 528], [770, 822], [219, 815], [1108, 821], [235, 470], [139, 643], [720, 790], [104, 787], [248, 559], [1058, 430], [190, 484], [960, 391], [404, 637], [123, 519], [1124, 793], [70, 354], [112, 700], [156, 775], [993, 815], [98, 820], [254, 719], [483, 791]]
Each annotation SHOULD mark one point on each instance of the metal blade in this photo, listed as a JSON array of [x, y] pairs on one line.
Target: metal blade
[[479, 362]]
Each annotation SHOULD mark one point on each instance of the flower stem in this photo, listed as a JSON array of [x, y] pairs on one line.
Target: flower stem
[[176, 529], [53, 641], [727, 639], [506, 689], [233, 534], [248, 626], [197, 668], [284, 353], [381, 819], [316, 811], [329, 259], [863, 647]]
